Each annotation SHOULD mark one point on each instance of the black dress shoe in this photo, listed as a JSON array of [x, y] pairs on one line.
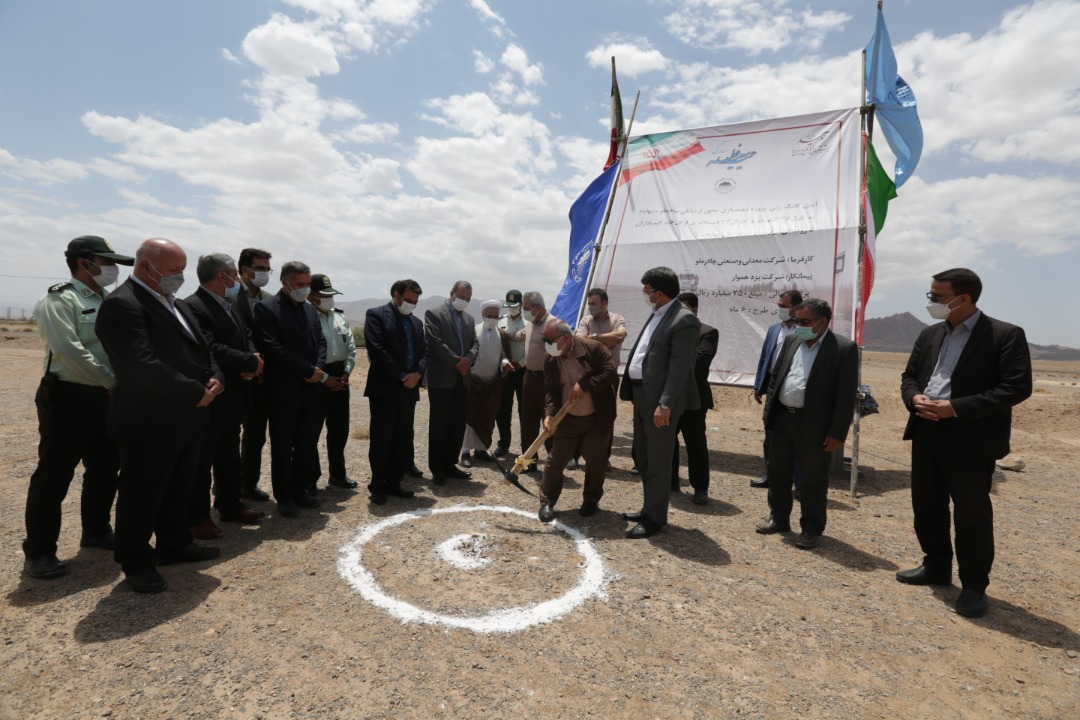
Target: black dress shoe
[[306, 501], [807, 541], [501, 450], [457, 473], [311, 490], [573, 464], [634, 471], [399, 492], [588, 508], [770, 526], [763, 482], [414, 472], [438, 479], [343, 482], [44, 567], [633, 516], [189, 554], [922, 576], [378, 497], [546, 514], [466, 461], [105, 540], [256, 494], [481, 456], [288, 509], [701, 498], [971, 603], [147, 581], [642, 530]]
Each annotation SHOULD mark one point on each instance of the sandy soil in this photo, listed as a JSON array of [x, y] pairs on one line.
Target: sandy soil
[[705, 620]]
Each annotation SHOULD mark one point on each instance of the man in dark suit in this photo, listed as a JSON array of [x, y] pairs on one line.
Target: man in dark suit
[[960, 384], [692, 422], [809, 409], [397, 360], [288, 335], [770, 353], [659, 379], [579, 371], [166, 378], [254, 267], [450, 333], [214, 306]]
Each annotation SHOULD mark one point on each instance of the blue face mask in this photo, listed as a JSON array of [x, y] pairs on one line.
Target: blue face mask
[[806, 334], [232, 292]]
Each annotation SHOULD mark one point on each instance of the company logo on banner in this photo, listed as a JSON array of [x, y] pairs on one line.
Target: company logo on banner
[[741, 213]]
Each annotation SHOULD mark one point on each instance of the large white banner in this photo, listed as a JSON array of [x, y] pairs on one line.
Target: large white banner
[[742, 213]]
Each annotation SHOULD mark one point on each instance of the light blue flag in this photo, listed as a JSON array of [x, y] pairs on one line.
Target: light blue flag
[[894, 103], [586, 214]]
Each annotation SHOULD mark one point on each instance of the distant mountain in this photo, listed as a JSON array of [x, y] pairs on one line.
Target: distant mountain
[[897, 333]]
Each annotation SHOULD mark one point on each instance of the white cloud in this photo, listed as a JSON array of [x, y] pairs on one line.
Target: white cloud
[[751, 26], [632, 57], [482, 63], [486, 13], [141, 199], [47, 172], [282, 46], [515, 58], [230, 57]]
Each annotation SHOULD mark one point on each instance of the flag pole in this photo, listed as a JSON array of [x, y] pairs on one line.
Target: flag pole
[[865, 112], [607, 211]]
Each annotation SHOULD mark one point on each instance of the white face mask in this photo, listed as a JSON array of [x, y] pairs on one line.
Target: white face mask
[[491, 323], [326, 304], [108, 274], [783, 313], [299, 294], [527, 315], [459, 304], [594, 310], [937, 310], [260, 278], [515, 312], [649, 302], [406, 308], [169, 284], [553, 349]]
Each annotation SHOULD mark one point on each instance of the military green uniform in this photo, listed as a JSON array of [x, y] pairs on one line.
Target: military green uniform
[[72, 405], [340, 360]]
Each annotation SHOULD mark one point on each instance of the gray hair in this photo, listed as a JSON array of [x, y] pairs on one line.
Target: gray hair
[[211, 264], [561, 329], [535, 299], [294, 267], [461, 285]]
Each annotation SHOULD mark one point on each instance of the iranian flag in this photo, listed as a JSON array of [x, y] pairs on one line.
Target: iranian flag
[[617, 127], [658, 152], [878, 190]]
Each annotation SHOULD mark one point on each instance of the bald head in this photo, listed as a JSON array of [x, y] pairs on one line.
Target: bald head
[[159, 258]]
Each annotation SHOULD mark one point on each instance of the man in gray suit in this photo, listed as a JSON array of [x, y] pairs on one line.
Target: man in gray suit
[[659, 379], [450, 333], [811, 402]]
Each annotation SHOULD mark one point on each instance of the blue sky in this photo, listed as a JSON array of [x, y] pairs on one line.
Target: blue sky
[[446, 139]]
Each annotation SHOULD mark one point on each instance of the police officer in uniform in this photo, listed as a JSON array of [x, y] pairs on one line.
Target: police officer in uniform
[[72, 404], [340, 361]]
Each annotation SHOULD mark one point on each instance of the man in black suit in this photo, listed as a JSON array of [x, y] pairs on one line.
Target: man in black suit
[[214, 305], [254, 267], [659, 380], [960, 384], [288, 335], [450, 333], [397, 361], [811, 402], [166, 378], [692, 422]]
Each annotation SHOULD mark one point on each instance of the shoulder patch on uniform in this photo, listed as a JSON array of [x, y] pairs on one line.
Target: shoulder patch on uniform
[[60, 286]]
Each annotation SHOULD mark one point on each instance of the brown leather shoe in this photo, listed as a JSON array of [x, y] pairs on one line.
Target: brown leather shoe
[[243, 515], [206, 530]]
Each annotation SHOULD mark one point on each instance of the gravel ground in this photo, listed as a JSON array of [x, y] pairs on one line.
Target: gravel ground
[[705, 620]]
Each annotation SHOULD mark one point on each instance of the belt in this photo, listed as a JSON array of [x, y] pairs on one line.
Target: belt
[[786, 408], [635, 383], [534, 372]]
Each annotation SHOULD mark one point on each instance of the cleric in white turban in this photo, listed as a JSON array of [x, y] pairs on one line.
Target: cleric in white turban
[[485, 386]]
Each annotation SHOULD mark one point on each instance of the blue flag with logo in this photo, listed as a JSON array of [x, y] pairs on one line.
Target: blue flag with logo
[[894, 103], [586, 214]]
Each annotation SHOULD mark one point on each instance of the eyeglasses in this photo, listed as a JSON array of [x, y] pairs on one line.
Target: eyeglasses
[[937, 298], [645, 291], [551, 341], [805, 322]]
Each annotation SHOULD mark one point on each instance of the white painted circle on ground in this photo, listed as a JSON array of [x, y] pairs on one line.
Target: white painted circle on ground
[[511, 619], [465, 551]]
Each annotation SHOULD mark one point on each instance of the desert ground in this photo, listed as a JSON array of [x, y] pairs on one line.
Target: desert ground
[[705, 620]]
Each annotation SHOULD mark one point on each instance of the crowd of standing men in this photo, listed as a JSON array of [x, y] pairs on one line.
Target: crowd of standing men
[[163, 400]]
